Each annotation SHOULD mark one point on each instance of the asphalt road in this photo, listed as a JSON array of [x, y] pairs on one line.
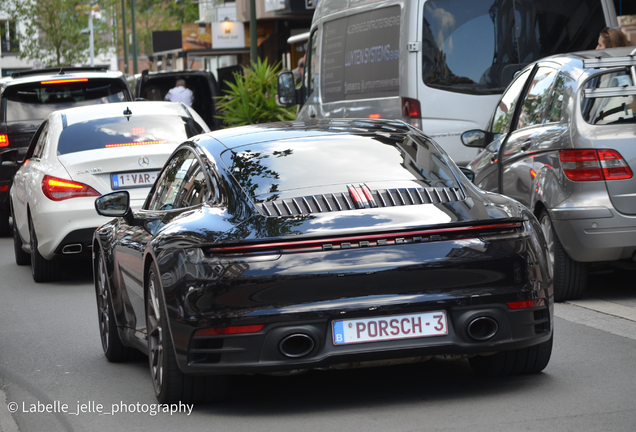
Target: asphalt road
[[50, 354]]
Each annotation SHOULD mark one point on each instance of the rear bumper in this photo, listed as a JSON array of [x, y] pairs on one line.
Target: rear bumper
[[595, 234], [262, 352]]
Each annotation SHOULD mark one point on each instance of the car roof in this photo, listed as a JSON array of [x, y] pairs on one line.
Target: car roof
[[116, 109], [37, 75], [263, 133]]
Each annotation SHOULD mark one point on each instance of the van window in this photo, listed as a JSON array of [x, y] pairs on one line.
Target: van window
[[311, 74], [476, 46], [360, 56]]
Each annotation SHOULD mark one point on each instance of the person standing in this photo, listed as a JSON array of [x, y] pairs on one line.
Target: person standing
[[180, 93], [612, 38]]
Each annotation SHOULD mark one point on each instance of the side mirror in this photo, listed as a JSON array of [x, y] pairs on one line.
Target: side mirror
[[474, 138], [114, 204], [286, 88], [470, 174]]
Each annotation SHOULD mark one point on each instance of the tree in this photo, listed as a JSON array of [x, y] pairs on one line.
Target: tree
[[52, 31], [252, 98]]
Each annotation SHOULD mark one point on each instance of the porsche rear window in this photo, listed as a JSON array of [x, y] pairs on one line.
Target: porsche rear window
[[125, 132], [36, 100], [610, 110], [272, 167]]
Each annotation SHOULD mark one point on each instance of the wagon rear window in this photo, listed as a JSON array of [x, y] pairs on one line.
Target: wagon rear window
[[37, 100], [610, 110]]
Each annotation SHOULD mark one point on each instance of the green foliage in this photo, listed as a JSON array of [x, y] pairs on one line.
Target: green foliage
[[53, 31], [253, 98], [153, 15]]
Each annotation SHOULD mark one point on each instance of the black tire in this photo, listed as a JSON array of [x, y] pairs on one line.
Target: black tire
[[569, 277], [114, 349], [5, 228], [514, 362], [21, 257], [170, 384], [42, 269]]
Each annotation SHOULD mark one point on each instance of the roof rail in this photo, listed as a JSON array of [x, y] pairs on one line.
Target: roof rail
[[629, 63], [609, 62], [60, 70]]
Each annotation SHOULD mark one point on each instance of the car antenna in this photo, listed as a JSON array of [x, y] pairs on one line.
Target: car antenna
[[128, 113]]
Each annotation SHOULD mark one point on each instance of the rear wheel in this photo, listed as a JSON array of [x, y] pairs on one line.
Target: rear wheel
[[42, 269], [114, 349], [21, 257], [514, 362], [170, 384], [569, 277]]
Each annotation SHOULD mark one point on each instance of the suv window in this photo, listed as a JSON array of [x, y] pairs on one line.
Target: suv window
[[476, 46], [537, 98], [126, 131], [609, 110], [503, 114], [36, 100]]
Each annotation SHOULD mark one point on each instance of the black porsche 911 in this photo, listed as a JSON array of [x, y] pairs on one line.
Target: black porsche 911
[[325, 244]]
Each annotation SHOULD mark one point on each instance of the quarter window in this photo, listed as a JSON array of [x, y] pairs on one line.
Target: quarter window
[[39, 147], [182, 184]]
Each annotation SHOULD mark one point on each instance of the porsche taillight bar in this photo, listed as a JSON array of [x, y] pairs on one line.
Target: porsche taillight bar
[[360, 241]]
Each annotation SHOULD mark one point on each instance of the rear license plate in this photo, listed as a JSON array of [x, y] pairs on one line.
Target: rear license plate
[[128, 180], [389, 328]]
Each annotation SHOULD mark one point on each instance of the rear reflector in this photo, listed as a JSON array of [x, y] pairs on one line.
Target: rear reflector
[[411, 108], [4, 140], [594, 165], [4, 188], [64, 81], [525, 304], [57, 189], [134, 144], [232, 330]]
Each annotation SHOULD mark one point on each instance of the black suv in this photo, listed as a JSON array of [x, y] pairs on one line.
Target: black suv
[[155, 85], [26, 98]]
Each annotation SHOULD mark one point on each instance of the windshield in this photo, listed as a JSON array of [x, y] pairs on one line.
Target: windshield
[[37, 100], [476, 46], [125, 132]]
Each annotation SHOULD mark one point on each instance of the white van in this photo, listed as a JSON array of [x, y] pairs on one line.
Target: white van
[[440, 65]]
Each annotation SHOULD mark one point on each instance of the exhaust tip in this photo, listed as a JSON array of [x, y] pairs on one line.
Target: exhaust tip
[[72, 249], [296, 345], [482, 328]]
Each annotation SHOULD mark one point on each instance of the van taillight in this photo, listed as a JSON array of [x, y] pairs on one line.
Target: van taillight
[[57, 189], [594, 165], [4, 140], [411, 108]]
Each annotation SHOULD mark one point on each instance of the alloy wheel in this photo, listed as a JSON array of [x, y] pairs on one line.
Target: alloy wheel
[[155, 336], [103, 304], [548, 233]]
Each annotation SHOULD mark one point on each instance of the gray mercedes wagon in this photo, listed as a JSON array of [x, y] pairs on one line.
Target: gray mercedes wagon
[[562, 141]]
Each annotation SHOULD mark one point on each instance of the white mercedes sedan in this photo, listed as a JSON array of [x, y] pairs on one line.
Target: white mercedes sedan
[[78, 154]]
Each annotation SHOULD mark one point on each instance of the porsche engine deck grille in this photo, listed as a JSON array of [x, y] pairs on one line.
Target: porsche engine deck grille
[[359, 197]]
